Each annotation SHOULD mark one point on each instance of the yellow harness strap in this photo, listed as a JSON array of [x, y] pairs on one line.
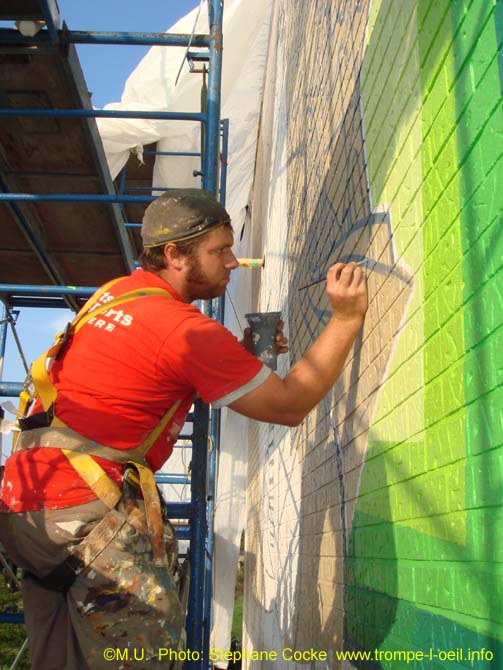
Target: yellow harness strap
[[157, 431], [153, 514], [44, 388], [85, 465], [95, 477], [43, 385]]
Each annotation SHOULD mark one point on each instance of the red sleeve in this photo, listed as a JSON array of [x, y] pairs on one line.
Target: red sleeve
[[207, 357]]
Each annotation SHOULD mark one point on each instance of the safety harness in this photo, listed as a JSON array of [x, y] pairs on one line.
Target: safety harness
[[45, 429]]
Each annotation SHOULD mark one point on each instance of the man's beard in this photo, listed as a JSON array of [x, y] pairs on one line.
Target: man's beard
[[199, 282], [195, 274]]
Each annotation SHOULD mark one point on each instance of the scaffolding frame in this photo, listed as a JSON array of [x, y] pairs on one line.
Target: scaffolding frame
[[206, 422]]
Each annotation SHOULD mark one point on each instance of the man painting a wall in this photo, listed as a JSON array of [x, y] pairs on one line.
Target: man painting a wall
[[80, 511]]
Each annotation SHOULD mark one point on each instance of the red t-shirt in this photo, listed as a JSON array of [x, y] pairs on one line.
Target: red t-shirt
[[119, 375]]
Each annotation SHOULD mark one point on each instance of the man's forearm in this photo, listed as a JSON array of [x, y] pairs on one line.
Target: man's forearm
[[287, 401], [315, 373]]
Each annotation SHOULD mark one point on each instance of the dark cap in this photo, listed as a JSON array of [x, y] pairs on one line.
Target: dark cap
[[181, 214]]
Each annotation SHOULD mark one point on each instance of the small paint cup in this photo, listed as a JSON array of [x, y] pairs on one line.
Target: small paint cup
[[264, 326]]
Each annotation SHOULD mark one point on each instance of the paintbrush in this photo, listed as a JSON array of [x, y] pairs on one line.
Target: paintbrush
[[317, 281]]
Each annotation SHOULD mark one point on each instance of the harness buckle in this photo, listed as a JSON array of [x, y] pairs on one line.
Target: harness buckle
[[130, 476], [63, 338], [38, 420]]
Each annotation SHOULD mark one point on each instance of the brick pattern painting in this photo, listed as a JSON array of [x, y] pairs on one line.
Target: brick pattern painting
[[376, 526]]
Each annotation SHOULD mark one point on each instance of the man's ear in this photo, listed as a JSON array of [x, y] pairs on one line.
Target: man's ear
[[173, 258]]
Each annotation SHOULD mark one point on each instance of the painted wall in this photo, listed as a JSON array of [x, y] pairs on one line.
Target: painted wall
[[377, 526]]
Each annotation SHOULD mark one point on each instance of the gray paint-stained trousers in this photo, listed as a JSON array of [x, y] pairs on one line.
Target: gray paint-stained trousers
[[122, 611]]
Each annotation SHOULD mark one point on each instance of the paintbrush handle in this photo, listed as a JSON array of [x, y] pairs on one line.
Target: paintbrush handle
[[251, 262], [317, 281]]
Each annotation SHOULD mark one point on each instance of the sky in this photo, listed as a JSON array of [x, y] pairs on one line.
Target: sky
[[106, 69], [143, 16]]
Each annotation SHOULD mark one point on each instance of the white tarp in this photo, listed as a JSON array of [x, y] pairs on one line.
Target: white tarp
[[151, 86]]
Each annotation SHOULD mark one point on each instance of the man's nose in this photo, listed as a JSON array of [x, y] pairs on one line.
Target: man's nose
[[231, 263]]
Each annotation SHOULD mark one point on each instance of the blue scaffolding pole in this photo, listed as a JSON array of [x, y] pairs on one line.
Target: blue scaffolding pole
[[205, 437]]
